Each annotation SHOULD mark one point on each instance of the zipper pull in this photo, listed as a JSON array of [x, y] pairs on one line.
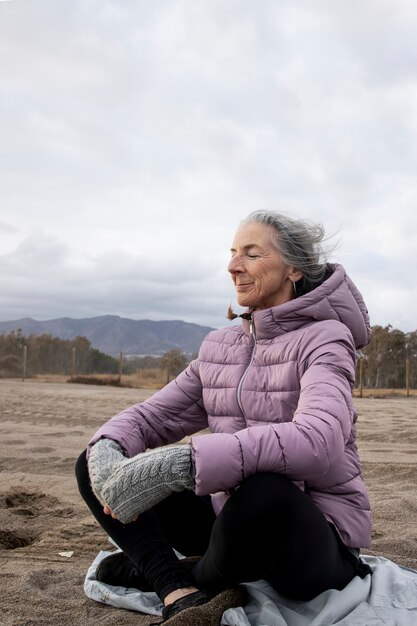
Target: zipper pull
[[252, 328]]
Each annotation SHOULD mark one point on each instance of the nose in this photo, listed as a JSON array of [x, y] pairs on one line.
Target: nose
[[235, 265]]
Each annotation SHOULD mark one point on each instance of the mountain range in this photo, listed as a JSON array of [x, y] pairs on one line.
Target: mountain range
[[112, 334]]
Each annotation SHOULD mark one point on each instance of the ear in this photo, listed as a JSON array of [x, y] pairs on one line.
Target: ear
[[294, 274]]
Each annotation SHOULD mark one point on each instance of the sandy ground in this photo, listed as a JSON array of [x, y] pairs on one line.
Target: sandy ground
[[44, 426]]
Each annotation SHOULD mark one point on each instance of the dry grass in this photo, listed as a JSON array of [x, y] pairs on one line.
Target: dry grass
[[45, 378], [151, 378], [155, 378], [142, 379], [384, 393]]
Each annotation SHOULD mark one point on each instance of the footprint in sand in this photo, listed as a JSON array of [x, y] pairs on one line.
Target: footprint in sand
[[10, 540], [31, 504], [13, 442]]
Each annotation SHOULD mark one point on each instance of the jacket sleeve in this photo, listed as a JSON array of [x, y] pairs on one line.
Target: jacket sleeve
[[169, 415], [306, 447]]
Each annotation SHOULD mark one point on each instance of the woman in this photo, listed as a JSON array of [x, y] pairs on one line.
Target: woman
[[289, 502]]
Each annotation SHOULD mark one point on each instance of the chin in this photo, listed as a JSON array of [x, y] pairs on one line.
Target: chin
[[245, 303]]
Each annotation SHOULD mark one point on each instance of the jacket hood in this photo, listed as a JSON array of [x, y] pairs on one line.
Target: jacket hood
[[337, 298]]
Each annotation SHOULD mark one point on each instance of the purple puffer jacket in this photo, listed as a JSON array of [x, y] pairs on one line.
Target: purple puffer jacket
[[276, 393]]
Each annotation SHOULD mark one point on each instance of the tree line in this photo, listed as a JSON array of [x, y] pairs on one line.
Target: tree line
[[46, 354], [384, 360]]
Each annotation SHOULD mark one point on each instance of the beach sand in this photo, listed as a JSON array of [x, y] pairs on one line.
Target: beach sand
[[44, 427]]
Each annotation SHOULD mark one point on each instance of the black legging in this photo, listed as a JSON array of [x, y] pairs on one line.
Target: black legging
[[267, 529]]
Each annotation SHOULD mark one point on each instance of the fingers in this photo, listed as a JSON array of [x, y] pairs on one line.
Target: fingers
[[107, 510]]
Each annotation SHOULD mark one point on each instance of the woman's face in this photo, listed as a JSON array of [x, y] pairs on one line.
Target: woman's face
[[260, 276]]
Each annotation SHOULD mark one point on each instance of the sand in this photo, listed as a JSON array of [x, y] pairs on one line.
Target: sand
[[43, 428]]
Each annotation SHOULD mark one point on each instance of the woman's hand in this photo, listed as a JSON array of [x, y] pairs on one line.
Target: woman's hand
[[107, 510]]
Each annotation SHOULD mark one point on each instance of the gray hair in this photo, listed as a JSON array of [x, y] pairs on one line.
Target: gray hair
[[300, 245]]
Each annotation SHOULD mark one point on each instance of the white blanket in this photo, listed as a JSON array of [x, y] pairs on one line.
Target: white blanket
[[387, 598]]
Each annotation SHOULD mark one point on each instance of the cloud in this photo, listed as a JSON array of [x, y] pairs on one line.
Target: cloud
[[8, 229], [135, 136], [114, 282]]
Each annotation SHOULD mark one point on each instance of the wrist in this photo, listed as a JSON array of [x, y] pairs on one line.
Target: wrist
[[104, 456]]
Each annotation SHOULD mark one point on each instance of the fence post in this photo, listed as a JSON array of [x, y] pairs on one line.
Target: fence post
[[119, 380], [169, 367], [25, 355], [361, 377], [407, 376], [73, 351]]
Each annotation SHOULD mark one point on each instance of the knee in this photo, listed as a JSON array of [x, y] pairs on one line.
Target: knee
[[261, 496], [266, 489], [268, 479]]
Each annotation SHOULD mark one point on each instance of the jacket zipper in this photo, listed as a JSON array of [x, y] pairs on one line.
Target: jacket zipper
[[239, 387]]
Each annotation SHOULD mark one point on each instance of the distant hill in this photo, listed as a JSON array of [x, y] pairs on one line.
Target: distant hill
[[112, 334]]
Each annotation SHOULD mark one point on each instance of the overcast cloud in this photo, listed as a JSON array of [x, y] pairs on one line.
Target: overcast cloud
[[134, 136]]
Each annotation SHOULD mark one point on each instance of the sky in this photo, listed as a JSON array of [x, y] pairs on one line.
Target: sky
[[136, 135]]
